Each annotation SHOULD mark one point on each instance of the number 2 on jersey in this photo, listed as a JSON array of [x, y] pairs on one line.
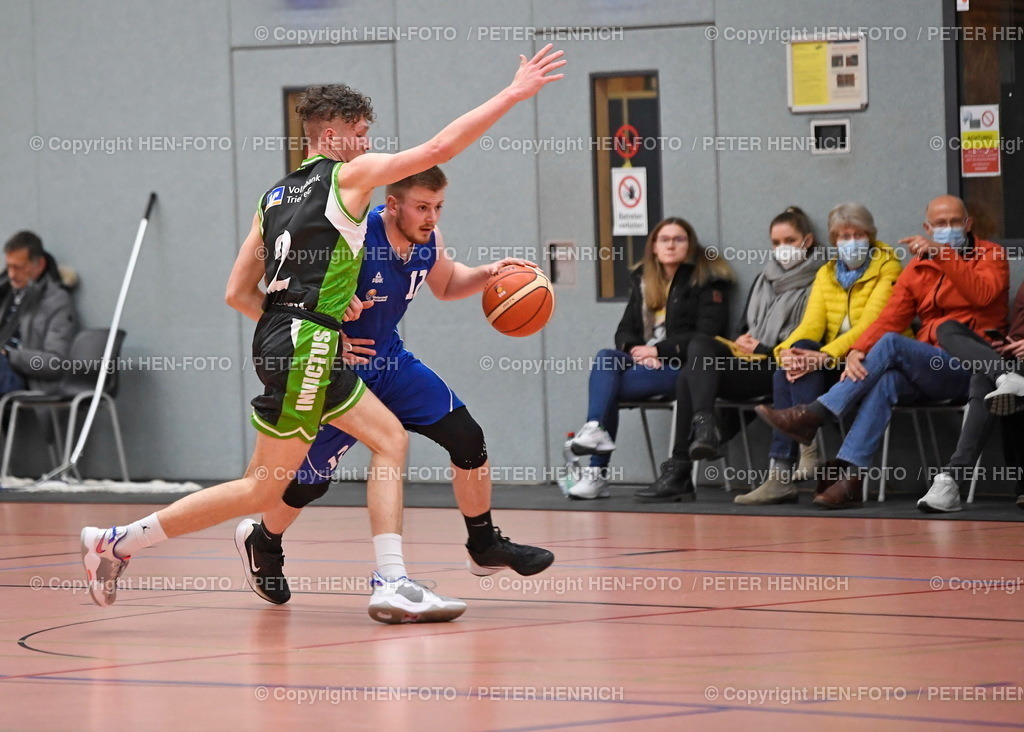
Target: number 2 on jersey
[[282, 246]]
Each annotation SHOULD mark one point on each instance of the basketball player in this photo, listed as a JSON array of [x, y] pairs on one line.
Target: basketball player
[[309, 229], [403, 250]]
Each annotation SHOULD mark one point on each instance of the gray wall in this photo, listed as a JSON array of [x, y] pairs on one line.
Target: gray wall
[[121, 68]]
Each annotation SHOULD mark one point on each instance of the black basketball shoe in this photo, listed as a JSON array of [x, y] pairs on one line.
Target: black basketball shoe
[[264, 563], [502, 553]]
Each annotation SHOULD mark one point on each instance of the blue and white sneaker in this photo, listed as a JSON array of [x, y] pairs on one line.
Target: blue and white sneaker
[[102, 567], [403, 601]]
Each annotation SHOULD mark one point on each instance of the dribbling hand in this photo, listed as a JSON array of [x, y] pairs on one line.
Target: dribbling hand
[[492, 269]]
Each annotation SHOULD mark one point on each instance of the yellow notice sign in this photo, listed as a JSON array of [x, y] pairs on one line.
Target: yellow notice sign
[[810, 74], [979, 141]]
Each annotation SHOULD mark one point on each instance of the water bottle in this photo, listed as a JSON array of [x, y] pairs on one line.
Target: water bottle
[[572, 466]]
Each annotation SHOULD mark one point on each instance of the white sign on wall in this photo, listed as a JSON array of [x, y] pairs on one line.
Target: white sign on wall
[[629, 201]]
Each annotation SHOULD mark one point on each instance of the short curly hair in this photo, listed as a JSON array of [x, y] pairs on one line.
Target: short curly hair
[[330, 101]]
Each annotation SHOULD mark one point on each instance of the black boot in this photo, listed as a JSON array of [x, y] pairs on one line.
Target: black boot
[[674, 484], [706, 437]]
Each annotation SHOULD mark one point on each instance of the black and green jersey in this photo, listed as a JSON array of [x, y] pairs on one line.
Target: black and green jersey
[[312, 246]]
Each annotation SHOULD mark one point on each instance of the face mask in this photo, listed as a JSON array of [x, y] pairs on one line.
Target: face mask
[[853, 252], [789, 256], [952, 235]]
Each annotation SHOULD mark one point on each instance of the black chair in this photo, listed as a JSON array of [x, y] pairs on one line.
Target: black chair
[[644, 407], [77, 385]]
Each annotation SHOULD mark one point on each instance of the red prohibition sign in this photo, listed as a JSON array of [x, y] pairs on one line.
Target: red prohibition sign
[[987, 118], [627, 141], [630, 193]]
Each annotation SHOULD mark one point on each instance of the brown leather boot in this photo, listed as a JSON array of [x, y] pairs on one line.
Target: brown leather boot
[[796, 423], [844, 493], [834, 469]]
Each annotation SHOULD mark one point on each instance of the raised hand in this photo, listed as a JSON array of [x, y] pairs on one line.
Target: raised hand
[[536, 72]]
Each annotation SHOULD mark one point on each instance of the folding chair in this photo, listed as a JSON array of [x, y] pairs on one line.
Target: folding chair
[[644, 407], [77, 386]]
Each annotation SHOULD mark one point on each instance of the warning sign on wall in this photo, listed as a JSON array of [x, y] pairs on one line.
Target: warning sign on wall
[[979, 141], [629, 201]]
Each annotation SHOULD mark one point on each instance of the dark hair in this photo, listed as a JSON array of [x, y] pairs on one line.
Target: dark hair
[[331, 101], [795, 217], [26, 240], [433, 179]]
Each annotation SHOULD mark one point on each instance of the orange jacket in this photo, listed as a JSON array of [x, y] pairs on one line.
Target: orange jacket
[[972, 289]]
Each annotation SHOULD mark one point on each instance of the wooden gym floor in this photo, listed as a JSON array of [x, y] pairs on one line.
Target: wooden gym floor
[[645, 622]]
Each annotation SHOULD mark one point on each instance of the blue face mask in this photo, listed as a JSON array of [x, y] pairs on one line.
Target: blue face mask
[[853, 252], [951, 235]]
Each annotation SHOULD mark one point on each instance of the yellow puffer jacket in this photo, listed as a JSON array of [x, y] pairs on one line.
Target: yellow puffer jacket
[[828, 303]]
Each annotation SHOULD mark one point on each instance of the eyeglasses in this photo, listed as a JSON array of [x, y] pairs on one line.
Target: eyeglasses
[[671, 240]]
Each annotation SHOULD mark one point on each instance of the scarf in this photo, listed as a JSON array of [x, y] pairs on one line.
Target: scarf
[[778, 297], [846, 276]]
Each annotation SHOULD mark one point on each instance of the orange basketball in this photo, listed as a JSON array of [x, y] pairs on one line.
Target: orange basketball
[[518, 300]]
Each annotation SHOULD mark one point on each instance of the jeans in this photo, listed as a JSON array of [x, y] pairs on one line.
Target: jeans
[[802, 391], [9, 379], [900, 370], [614, 378]]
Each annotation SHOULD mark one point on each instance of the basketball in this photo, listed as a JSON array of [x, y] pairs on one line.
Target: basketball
[[518, 300]]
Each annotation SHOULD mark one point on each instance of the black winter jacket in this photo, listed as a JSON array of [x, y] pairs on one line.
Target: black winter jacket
[[690, 310]]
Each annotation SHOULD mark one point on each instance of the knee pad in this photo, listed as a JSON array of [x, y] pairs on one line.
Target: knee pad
[[299, 495], [461, 436]]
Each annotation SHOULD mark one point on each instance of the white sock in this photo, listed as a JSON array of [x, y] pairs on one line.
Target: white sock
[[142, 533], [388, 548]]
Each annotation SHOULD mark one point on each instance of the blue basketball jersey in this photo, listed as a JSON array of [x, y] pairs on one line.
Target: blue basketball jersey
[[406, 386], [391, 284]]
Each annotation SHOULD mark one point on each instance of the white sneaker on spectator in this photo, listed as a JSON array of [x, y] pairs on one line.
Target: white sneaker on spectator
[[592, 439], [1008, 397], [591, 485], [942, 497]]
